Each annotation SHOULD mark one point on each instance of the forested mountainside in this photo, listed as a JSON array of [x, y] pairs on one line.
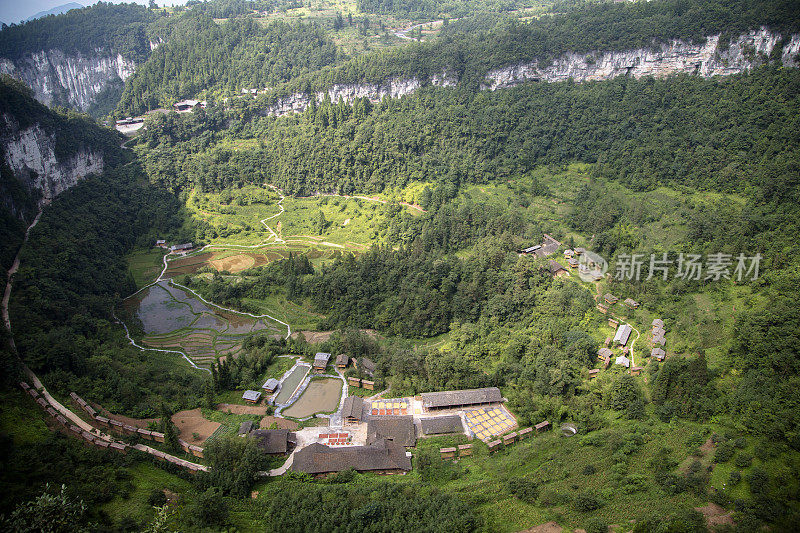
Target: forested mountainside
[[43, 152], [81, 58], [468, 57], [383, 219], [205, 56]]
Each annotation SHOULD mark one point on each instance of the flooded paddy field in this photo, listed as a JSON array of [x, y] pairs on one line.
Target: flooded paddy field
[[321, 396]]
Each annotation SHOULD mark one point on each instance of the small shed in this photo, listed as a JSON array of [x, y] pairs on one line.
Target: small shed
[[511, 438], [103, 421], [464, 450], [593, 373], [602, 308], [197, 451], [447, 453], [353, 409], [251, 396], [494, 445], [367, 366], [118, 446], [613, 322], [354, 382], [245, 428], [542, 426], [321, 361], [630, 302], [342, 361], [369, 385], [635, 371], [607, 342], [271, 385], [524, 433], [101, 443]]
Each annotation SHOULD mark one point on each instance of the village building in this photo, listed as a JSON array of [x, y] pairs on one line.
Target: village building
[[251, 396], [383, 456], [633, 304], [610, 298], [659, 338], [353, 409], [593, 373], [613, 322], [602, 308], [321, 361], [367, 366], [464, 450], [549, 246], [354, 382], [274, 441], [542, 426], [624, 361], [440, 425], [635, 371], [369, 385], [569, 253], [572, 262], [161, 243], [181, 247], [494, 445], [658, 324], [271, 385], [658, 353], [245, 428], [580, 251], [511, 438], [604, 352], [185, 106], [397, 429], [607, 342], [623, 334], [341, 361], [525, 433], [556, 270], [460, 398]]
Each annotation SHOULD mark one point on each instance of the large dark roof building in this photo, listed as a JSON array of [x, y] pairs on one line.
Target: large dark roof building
[[273, 441], [441, 424], [381, 456], [461, 398], [399, 429]]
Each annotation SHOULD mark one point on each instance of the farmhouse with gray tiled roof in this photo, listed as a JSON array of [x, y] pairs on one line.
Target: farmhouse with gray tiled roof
[[461, 398]]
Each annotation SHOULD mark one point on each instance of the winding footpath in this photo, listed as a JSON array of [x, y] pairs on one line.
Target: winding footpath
[[37, 384]]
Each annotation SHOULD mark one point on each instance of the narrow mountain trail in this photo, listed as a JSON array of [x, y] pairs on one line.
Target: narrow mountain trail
[[37, 384]]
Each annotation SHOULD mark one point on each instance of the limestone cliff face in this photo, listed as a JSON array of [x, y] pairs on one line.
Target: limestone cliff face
[[72, 79], [349, 92], [31, 155], [676, 57]]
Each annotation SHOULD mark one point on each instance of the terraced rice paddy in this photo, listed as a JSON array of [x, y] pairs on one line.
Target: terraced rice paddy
[[174, 320], [321, 396]]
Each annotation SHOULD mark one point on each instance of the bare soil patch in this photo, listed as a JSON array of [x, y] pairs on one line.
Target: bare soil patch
[[190, 422], [716, 515], [547, 527], [282, 423], [234, 263], [242, 409]]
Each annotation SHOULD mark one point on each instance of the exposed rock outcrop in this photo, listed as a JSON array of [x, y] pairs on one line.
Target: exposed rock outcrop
[[676, 57], [75, 80], [31, 155]]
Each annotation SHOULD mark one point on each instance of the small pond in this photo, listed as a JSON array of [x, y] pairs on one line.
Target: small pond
[[321, 396]]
